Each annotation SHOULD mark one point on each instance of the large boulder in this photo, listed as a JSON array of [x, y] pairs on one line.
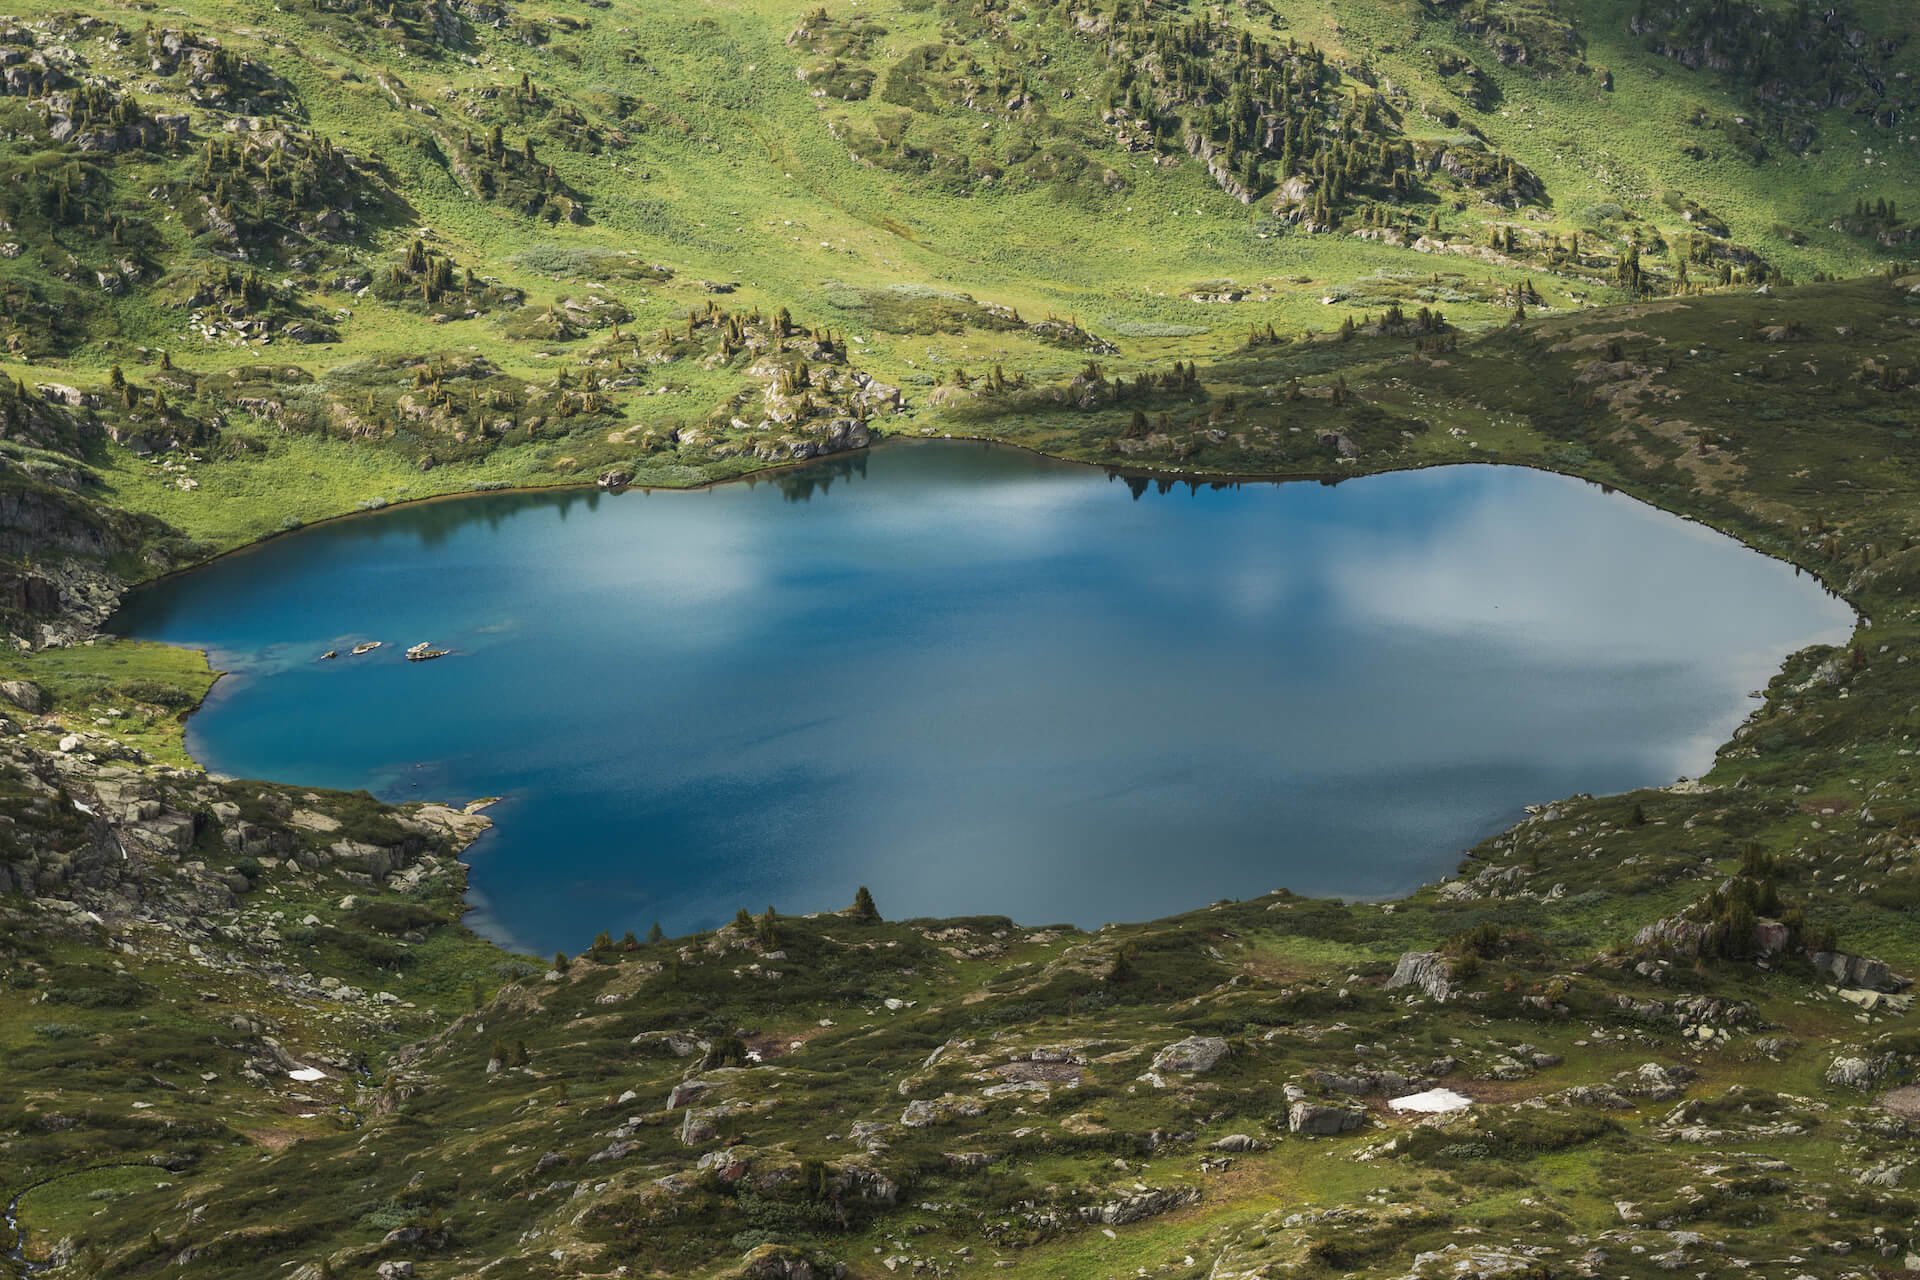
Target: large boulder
[[1317, 1120], [1846, 970], [1427, 970], [1194, 1056], [27, 696]]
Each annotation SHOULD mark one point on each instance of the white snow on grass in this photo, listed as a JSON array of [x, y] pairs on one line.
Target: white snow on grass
[[1432, 1102]]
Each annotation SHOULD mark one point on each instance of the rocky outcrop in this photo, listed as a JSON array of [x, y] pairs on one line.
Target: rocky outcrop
[[1427, 970], [1361, 1083], [835, 436], [1140, 1205], [1237, 1142], [57, 541], [1861, 1070], [1318, 1120], [782, 1262], [1845, 970], [925, 1113]]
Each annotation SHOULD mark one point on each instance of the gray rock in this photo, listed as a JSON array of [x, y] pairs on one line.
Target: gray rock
[[1140, 1205], [697, 1127], [27, 696], [780, 1262], [1196, 1055], [1888, 1174], [1844, 970], [1238, 1142], [942, 1110], [1852, 1072], [685, 1092], [1427, 970], [621, 1150], [1317, 1120], [665, 1044], [1651, 1080]]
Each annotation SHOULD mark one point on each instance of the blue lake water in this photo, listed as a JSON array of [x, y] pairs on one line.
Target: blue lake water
[[981, 681]]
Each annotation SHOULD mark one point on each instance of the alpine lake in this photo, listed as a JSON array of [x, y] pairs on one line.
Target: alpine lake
[[982, 681]]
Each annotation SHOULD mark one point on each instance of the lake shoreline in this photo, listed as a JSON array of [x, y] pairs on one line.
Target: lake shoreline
[[957, 511]]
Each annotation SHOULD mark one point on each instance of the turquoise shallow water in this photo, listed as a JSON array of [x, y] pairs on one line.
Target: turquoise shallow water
[[981, 681]]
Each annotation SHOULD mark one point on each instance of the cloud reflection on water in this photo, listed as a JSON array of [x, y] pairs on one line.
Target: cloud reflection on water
[[982, 681]]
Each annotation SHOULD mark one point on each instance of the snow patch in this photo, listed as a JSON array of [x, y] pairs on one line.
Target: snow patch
[[1432, 1102]]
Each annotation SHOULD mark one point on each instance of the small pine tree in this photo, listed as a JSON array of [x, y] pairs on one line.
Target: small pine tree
[[863, 905], [656, 934]]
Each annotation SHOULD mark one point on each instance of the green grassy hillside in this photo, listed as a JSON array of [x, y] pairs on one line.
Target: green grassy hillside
[[318, 201], [265, 264]]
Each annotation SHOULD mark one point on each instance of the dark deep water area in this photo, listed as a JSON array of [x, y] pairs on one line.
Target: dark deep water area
[[981, 681]]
